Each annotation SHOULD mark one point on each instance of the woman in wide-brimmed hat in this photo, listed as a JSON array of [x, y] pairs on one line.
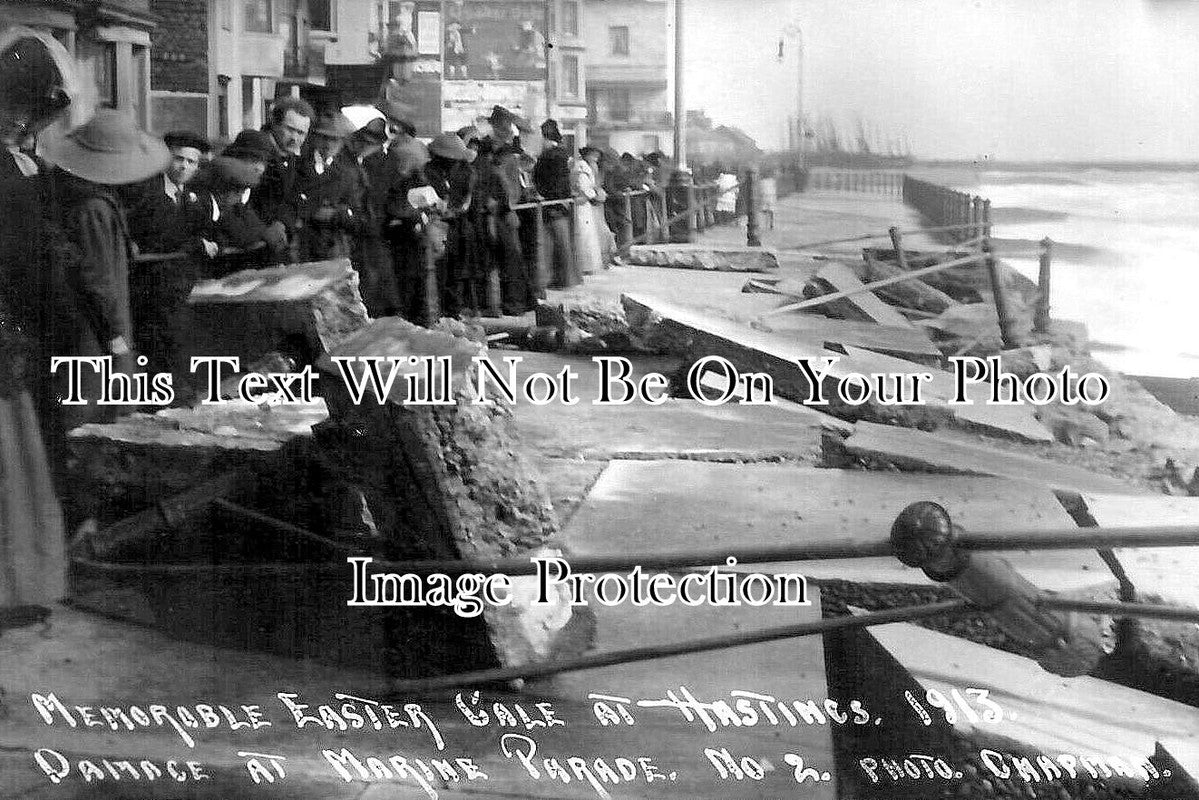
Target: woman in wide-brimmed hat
[[93, 252], [37, 86], [460, 269]]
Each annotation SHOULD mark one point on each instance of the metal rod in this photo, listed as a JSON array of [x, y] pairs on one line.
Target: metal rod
[[1081, 538], [656, 651], [283, 527], [868, 236], [1148, 611], [869, 287]]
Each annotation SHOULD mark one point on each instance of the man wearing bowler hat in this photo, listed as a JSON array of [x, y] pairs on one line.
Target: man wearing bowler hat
[[331, 198]]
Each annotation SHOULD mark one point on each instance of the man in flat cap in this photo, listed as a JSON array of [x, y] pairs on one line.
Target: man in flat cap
[[551, 176], [518, 285]]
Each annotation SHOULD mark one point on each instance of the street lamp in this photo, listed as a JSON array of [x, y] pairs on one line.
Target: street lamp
[[793, 31]]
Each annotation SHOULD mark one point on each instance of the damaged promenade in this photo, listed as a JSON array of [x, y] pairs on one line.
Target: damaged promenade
[[218, 575]]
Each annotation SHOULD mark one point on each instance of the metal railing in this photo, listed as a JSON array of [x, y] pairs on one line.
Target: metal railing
[[863, 181]]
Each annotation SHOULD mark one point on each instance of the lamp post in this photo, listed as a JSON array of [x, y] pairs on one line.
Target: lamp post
[[680, 107], [793, 31]]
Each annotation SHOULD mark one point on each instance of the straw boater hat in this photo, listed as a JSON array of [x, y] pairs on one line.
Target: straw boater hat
[[398, 112], [110, 149], [449, 145]]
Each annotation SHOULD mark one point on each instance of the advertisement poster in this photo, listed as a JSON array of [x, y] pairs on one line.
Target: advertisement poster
[[495, 40], [863, 465], [468, 102]]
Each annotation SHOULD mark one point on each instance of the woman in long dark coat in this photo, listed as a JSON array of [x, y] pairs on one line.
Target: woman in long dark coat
[[35, 88]]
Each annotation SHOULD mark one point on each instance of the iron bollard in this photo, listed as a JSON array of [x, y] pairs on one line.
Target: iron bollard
[[626, 224], [431, 286], [1007, 325], [680, 204], [545, 274], [901, 257], [664, 215], [1040, 321], [752, 223]]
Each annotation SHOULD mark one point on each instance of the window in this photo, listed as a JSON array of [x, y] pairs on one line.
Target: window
[[141, 84], [225, 12], [322, 15], [618, 36], [260, 17], [570, 76], [102, 59], [618, 105], [570, 17]]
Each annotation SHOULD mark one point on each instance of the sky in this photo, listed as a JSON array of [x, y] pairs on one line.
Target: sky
[[962, 79]]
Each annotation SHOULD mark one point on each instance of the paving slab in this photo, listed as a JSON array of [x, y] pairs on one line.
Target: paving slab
[[1182, 759], [915, 450], [678, 428], [821, 331], [683, 330], [863, 306], [1081, 716], [639, 507], [1165, 572], [724, 258]]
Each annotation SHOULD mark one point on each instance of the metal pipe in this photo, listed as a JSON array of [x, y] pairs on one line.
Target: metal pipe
[[656, 651], [1113, 609]]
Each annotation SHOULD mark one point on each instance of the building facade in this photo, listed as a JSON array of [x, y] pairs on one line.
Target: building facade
[[110, 39], [218, 64], [626, 54]]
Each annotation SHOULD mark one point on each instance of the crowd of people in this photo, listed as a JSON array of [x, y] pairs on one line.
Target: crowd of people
[[107, 228]]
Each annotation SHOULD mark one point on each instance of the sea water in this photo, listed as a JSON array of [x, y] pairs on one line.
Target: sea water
[[1126, 259]]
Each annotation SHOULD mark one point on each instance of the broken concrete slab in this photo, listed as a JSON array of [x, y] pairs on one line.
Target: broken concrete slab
[[677, 428], [721, 258], [639, 507], [1046, 713], [791, 668], [1011, 421], [1167, 573], [670, 327], [445, 480], [864, 306], [913, 450], [301, 310], [912, 293], [140, 459], [1181, 757]]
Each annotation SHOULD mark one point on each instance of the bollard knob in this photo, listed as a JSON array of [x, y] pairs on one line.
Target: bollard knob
[[922, 536]]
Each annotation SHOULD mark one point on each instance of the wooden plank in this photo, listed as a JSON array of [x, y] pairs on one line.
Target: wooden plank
[[864, 306], [667, 506], [685, 331], [1045, 712], [912, 449]]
